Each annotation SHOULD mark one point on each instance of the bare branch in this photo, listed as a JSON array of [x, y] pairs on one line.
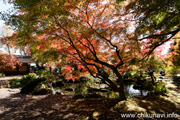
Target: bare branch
[[155, 46], [161, 35]]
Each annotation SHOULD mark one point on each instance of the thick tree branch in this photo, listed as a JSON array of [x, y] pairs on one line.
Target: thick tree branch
[[161, 35], [155, 46]]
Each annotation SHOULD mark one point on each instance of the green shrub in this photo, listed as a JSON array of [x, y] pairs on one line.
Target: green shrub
[[50, 78], [31, 86], [79, 96], [81, 88], [143, 85], [58, 83], [15, 82], [172, 70], [2, 75], [30, 75], [28, 78], [158, 89], [37, 86], [114, 95], [41, 89], [41, 84], [128, 78], [41, 73], [133, 76]]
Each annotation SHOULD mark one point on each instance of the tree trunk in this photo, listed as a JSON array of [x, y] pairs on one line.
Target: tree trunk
[[114, 86], [150, 73], [121, 91], [50, 70], [152, 78], [40, 67], [8, 49]]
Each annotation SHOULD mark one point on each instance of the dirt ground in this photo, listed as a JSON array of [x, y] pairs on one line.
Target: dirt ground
[[10, 77], [15, 106]]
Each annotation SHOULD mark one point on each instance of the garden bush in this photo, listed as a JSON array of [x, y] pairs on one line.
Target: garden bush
[[42, 84], [127, 77], [159, 88], [31, 86], [133, 76], [28, 78], [50, 78], [143, 85], [15, 82], [58, 83], [81, 88], [2, 75], [172, 70], [42, 89]]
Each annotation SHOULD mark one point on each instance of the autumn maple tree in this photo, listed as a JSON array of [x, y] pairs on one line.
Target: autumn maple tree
[[173, 55], [158, 21], [8, 60], [97, 36]]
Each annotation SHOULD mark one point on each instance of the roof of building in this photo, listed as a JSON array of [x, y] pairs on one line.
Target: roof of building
[[24, 59]]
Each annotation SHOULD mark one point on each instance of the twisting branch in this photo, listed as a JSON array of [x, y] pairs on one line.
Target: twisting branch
[[116, 48], [80, 54], [121, 63], [71, 42], [84, 63], [87, 10], [108, 42], [86, 46], [161, 35], [94, 51], [155, 46]]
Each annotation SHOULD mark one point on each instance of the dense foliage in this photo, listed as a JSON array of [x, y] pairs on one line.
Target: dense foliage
[[8, 60], [94, 37]]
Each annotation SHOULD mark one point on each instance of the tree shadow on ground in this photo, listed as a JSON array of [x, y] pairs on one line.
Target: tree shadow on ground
[[63, 107], [93, 108], [28, 107], [52, 107], [177, 83], [151, 105]]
